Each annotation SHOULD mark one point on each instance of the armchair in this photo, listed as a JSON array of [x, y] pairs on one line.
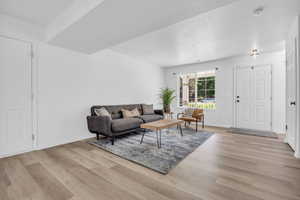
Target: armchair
[[192, 115]]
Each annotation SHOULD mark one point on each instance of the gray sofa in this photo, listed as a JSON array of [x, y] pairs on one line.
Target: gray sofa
[[117, 125]]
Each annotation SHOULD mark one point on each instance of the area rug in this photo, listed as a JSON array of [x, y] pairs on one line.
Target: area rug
[[253, 132], [174, 147]]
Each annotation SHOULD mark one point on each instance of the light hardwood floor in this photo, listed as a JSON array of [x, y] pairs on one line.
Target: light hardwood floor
[[226, 167]]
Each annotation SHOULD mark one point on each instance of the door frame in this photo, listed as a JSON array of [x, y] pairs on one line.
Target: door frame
[[297, 137], [294, 41], [33, 116], [294, 33], [297, 152], [235, 69]]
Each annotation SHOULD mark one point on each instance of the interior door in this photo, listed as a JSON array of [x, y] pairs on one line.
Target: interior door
[[291, 91], [243, 97], [262, 98], [15, 97], [253, 98]]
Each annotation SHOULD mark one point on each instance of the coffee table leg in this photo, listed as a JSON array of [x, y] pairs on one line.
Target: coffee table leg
[[143, 136], [180, 128], [157, 140]]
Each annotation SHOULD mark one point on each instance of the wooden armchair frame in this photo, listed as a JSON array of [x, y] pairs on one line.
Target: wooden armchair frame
[[197, 116]]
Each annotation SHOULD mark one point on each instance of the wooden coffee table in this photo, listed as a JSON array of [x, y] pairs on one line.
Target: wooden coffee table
[[157, 126]]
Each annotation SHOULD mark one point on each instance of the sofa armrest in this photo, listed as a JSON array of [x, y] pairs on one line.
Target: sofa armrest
[[159, 112], [99, 124]]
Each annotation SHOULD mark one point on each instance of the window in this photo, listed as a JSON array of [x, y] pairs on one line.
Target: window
[[192, 90], [206, 88], [197, 90], [180, 91]]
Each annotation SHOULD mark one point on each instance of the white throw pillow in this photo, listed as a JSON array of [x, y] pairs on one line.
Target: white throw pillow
[[102, 112], [189, 112]]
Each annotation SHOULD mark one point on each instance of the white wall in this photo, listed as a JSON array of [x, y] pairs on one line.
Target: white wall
[[223, 115], [67, 84], [125, 80], [70, 83]]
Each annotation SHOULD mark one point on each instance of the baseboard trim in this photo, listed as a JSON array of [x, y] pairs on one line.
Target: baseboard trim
[[48, 146], [297, 155], [16, 153], [218, 125], [65, 142]]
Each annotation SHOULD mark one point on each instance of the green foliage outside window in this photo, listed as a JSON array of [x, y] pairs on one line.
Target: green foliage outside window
[[201, 92]]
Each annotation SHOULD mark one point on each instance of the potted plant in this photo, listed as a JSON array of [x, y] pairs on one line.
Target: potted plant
[[167, 96]]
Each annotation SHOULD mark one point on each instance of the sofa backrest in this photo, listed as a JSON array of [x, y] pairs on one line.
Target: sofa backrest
[[115, 110]]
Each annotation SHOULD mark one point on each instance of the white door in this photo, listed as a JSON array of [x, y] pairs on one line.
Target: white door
[[243, 97], [253, 97], [15, 97], [291, 91]]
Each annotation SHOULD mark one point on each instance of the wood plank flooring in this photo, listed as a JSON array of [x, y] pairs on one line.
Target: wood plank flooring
[[226, 167]]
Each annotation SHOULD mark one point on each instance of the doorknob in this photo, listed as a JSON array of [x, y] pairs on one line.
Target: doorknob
[[293, 103], [237, 101]]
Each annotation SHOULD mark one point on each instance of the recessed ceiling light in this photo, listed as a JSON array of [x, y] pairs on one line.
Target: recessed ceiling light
[[258, 11], [254, 52]]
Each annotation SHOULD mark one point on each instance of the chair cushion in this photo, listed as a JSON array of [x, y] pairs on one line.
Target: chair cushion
[[189, 119], [118, 125], [197, 113], [151, 118]]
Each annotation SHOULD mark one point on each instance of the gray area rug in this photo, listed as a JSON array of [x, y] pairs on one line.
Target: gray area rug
[[174, 147], [253, 132]]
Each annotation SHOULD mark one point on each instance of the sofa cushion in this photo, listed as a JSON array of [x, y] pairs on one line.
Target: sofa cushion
[[147, 109], [115, 110], [116, 115], [118, 125], [151, 118]]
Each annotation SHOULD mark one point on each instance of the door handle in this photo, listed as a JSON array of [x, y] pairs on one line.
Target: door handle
[[238, 101], [293, 103]]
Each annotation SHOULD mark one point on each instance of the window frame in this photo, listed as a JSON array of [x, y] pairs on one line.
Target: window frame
[[206, 88], [198, 75]]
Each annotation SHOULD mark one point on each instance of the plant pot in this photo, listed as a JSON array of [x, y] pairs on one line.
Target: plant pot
[[167, 108]]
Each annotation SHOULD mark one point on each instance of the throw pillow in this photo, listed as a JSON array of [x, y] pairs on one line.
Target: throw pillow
[[147, 109], [129, 114], [189, 112], [102, 112]]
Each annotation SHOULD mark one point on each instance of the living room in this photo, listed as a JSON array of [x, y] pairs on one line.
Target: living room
[[106, 99]]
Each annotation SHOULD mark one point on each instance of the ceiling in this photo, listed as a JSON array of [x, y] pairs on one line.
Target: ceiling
[[116, 21], [165, 33], [38, 12], [224, 32]]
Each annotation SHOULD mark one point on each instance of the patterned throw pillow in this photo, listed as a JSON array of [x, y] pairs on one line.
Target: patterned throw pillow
[[189, 112], [147, 109], [129, 114], [102, 112]]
